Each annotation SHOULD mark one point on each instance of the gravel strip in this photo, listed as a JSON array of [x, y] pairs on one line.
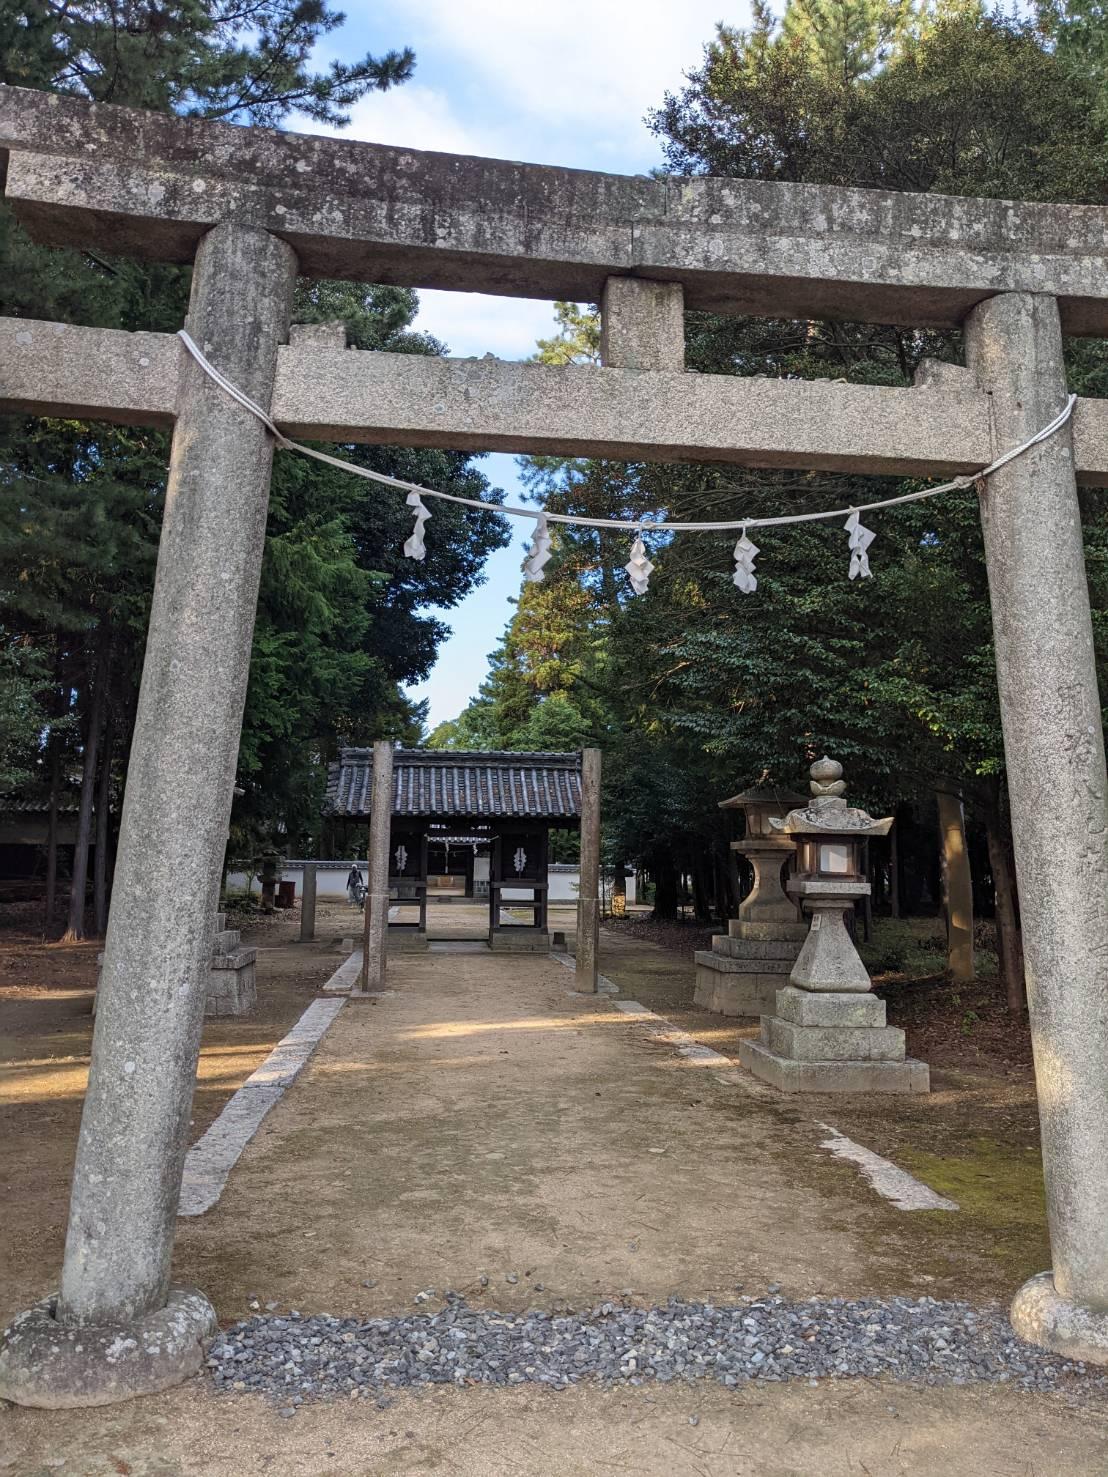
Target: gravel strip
[[297, 1358]]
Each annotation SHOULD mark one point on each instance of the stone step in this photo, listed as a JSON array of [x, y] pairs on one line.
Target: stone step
[[869, 1077], [829, 1008], [730, 964], [832, 1043]]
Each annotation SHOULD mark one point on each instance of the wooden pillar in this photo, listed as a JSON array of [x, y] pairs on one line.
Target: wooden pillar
[[307, 905], [588, 900], [375, 941]]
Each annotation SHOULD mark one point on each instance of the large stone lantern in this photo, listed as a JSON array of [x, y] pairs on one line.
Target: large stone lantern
[[829, 1033], [746, 966]]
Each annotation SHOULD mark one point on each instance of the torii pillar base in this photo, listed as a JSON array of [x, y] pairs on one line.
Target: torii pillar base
[[63, 1366]]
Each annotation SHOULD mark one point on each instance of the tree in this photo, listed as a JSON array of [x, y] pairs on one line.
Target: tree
[[340, 625]]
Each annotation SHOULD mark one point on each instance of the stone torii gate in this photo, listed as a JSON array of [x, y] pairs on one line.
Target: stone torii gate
[[252, 209]]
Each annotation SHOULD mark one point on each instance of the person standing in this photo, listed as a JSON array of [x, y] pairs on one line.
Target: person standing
[[355, 886]]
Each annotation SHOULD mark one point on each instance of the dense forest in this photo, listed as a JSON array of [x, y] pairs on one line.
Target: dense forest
[[692, 690], [342, 622]]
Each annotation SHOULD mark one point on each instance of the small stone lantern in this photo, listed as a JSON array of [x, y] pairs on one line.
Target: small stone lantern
[[829, 1033], [746, 966]]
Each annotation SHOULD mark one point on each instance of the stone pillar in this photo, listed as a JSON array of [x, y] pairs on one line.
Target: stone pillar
[[587, 960], [307, 905], [375, 942], [642, 324], [1054, 749], [127, 1177]]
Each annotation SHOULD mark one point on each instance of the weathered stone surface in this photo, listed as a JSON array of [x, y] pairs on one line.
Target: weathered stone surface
[[828, 959], [1042, 1316], [832, 1043], [1054, 748], [737, 964], [406, 941], [523, 940], [734, 945], [58, 369], [642, 324], [174, 826], [794, 933], [337, 394], [150, 185], [232, 984], [834, 1077], [586, 954], [730, 993], [59, 1366], [487, 404], [806, 1008]]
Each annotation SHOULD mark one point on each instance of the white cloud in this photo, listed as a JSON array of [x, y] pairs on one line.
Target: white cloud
[[469, 323]]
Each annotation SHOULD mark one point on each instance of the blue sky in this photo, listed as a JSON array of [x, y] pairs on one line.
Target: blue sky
[[565, 83]]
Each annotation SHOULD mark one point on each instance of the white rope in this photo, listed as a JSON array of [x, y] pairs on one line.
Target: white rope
[[627, 525]]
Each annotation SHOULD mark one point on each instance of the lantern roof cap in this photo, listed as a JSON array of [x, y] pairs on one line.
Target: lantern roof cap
[[827, 812]]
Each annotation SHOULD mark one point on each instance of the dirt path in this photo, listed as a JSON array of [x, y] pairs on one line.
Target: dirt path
[[482, 1121], [835, 1430], [479, 1121]]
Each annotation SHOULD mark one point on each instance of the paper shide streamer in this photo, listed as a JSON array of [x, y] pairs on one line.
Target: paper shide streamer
[[744, 577], [540, 552], [414, 547], [638, 567], [860, 540]]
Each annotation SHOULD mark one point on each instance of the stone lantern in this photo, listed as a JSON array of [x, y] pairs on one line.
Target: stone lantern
[[829, 1033], [747, 965]]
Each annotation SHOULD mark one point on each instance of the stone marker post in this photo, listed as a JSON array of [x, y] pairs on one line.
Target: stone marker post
[[376, 940], [115, 1283], [1054, 749], [587, 963], [307, 905]]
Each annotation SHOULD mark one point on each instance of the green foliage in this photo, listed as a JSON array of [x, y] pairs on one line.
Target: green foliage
[[341, 621], [695, 689]]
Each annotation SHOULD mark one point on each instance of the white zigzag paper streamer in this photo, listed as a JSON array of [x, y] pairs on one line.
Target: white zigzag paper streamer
[[540, 552], [745, 554], [860, 539], [638, 567], [414, 547]]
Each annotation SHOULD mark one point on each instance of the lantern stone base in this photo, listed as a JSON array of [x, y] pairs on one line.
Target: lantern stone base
[[832, 1042], [742, 976], [1041, 1315]]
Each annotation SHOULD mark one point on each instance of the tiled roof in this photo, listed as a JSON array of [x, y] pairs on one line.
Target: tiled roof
[[474, 783]]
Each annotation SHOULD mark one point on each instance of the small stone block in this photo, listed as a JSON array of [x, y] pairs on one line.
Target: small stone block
[[728, 993], [225, 941], [833, 1043], [832, 1077], [737, 964], [808, 1008], [775, 932]]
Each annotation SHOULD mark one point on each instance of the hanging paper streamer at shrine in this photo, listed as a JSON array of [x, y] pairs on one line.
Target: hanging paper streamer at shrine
[[415, 548], [541, 551], [860, 540], [638, 567], [744, 577]]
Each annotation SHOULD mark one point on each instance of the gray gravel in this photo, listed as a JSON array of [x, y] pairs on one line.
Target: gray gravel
[[298, 1358]]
